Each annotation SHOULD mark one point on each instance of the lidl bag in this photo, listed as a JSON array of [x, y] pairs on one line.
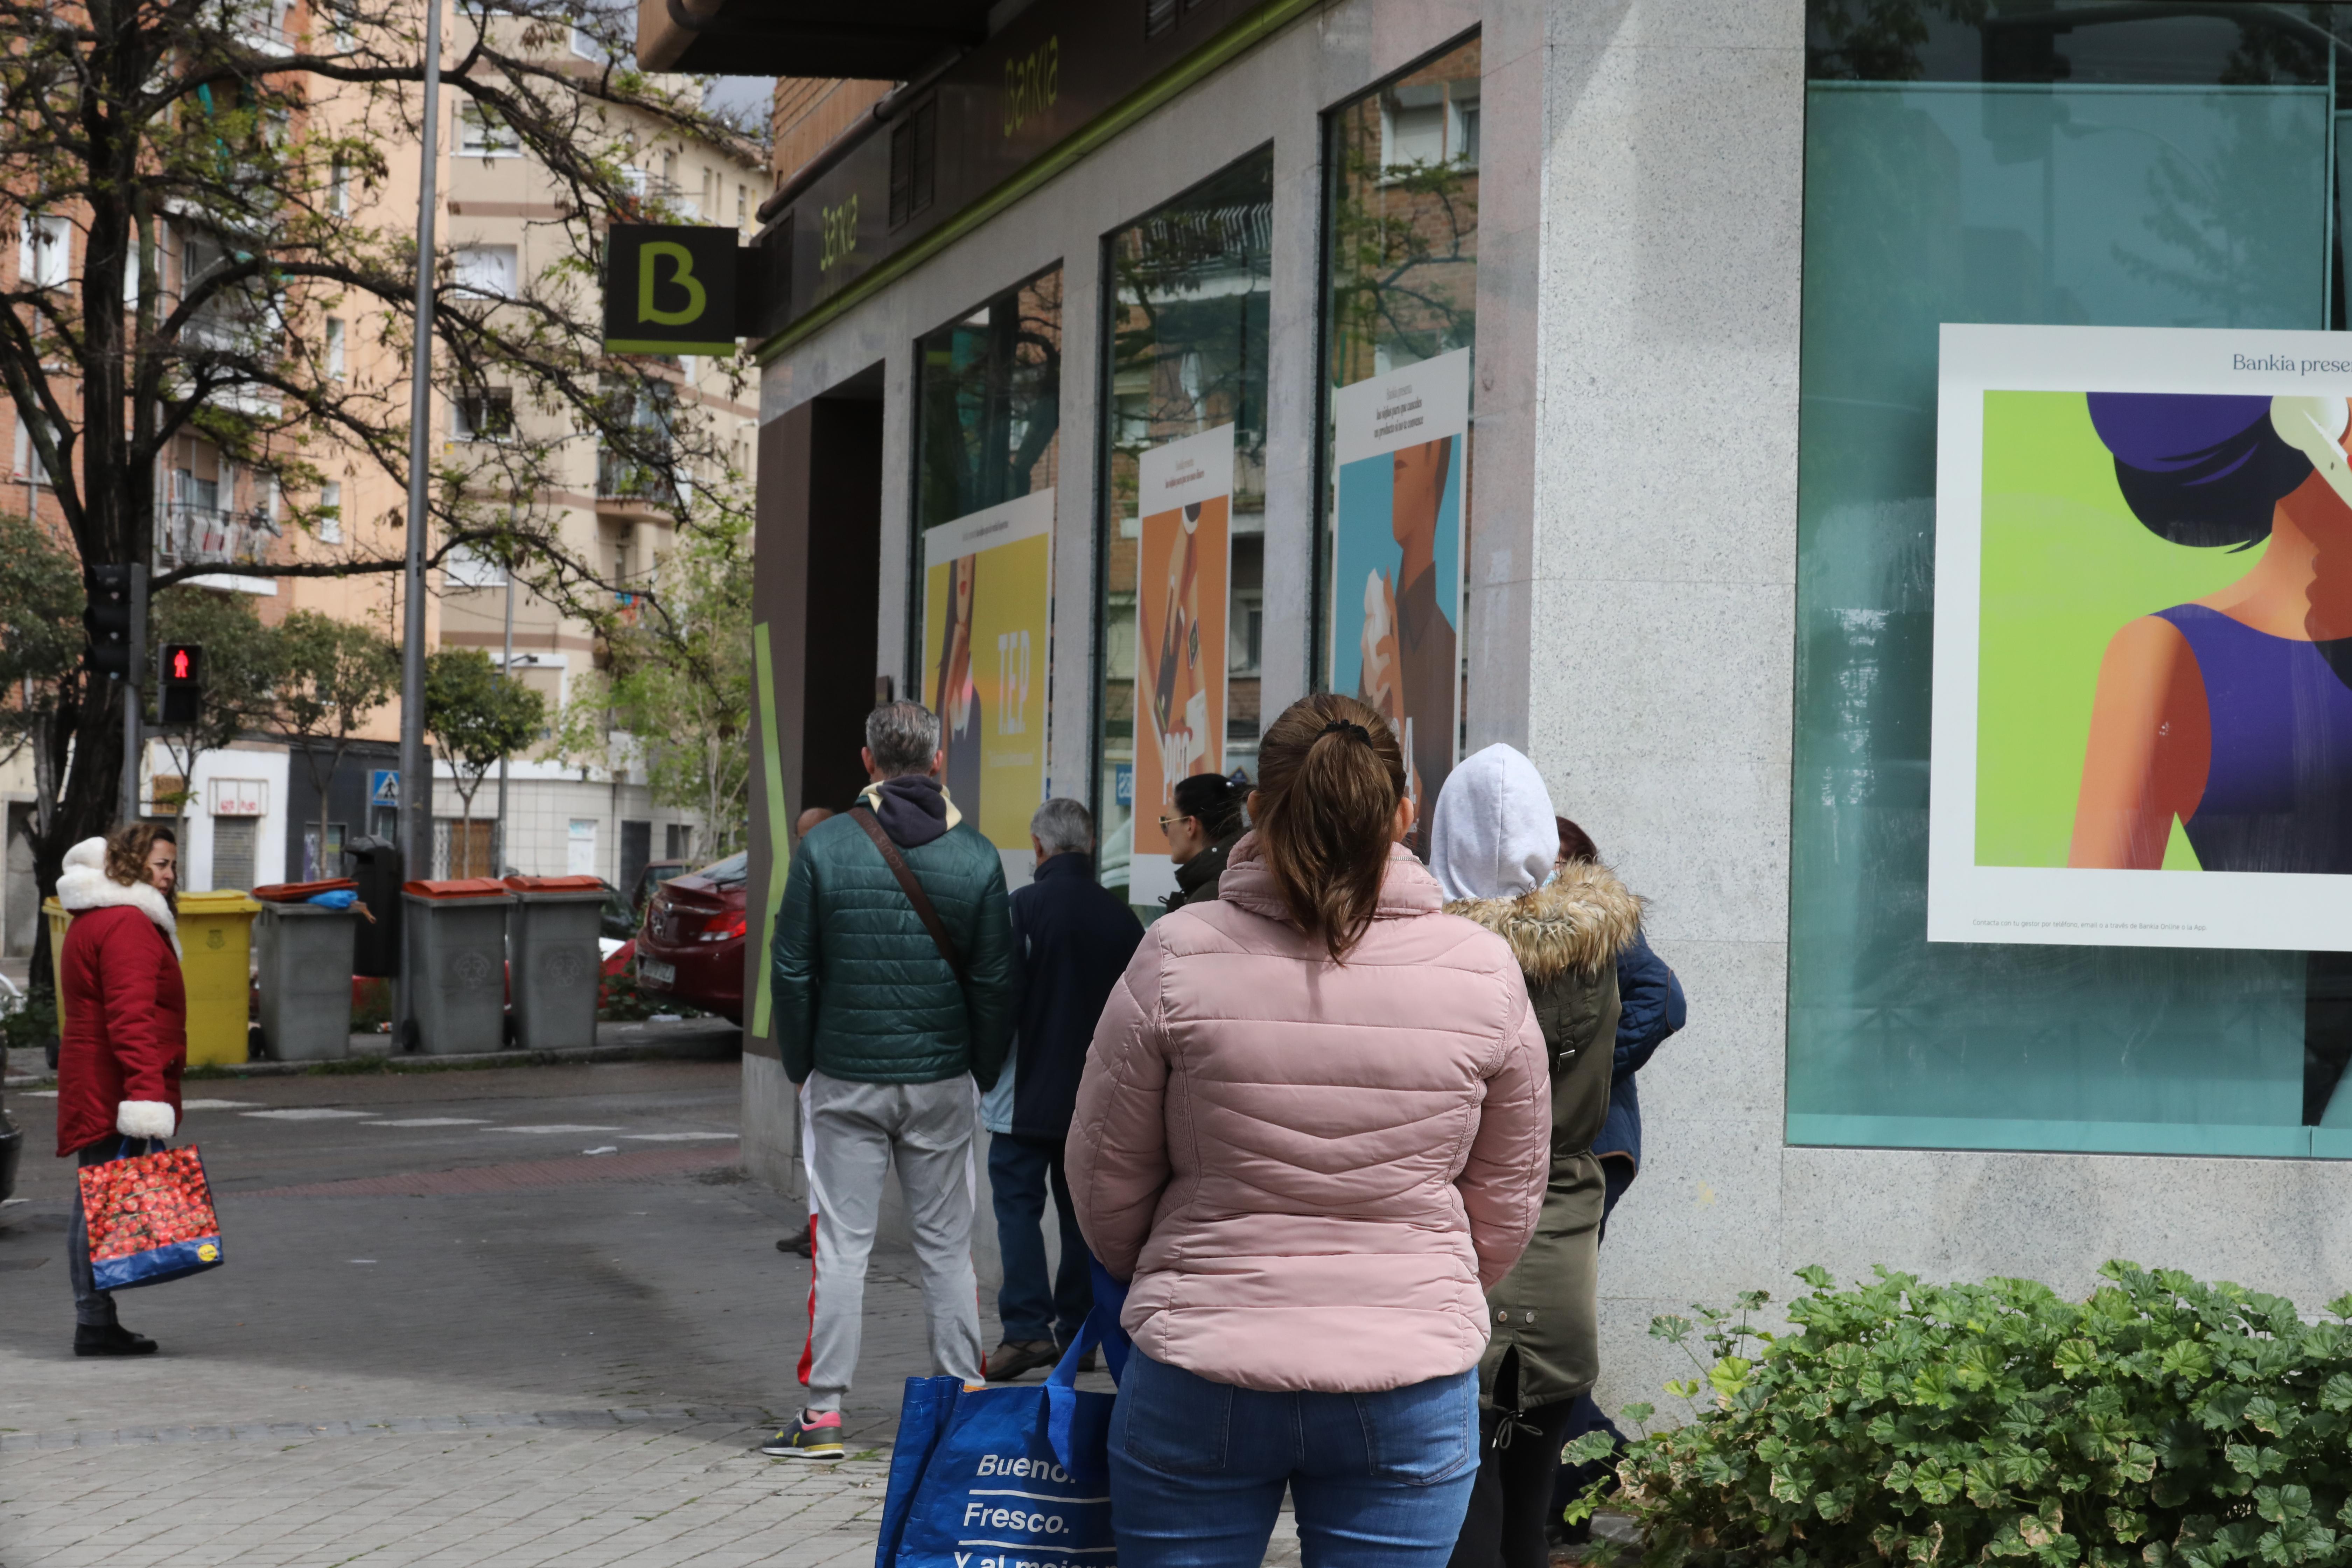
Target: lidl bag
[[992, 1477], [150, 1217]]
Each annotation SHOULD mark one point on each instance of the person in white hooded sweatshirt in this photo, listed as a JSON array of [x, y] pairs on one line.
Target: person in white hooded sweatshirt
[[125, 1038], [1495, 849]]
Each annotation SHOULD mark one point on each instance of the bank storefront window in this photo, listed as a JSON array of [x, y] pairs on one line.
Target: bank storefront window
[[987, 437], [1400, 281], [2071, 166], [1183, 614]]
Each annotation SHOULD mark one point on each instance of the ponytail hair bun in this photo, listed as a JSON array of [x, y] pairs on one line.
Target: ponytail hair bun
[[1330, 777]]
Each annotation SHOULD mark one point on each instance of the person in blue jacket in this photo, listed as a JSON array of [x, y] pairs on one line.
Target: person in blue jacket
[[1652, 1008]]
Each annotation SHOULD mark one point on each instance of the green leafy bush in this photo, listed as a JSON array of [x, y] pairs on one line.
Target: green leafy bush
[[2162, 1422]]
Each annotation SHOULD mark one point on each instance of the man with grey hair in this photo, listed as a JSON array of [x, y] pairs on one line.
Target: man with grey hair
[[891, 983], [1071, 941]]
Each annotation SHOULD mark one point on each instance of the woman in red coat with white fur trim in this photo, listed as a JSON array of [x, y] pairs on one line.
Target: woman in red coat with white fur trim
[[125, 1038]]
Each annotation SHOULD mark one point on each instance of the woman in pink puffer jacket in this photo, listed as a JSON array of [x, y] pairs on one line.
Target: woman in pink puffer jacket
[[1312, 1132]]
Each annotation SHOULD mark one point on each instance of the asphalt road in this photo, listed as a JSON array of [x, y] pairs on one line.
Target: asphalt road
[[419, 1243]]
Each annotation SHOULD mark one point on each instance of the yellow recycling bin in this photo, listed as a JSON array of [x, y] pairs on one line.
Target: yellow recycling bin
[[217, 963]]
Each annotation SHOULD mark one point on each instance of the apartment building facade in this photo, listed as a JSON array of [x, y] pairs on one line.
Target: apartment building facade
[[253, 812]]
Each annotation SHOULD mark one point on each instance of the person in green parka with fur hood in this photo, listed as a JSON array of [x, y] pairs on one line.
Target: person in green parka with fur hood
[[1494, 848]]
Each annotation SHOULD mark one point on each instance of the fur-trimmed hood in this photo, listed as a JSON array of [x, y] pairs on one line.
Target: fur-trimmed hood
[[1580, 920], [84, 885]]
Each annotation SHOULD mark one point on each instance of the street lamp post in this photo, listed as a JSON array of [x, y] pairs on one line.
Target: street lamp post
[[415, 770], [506, 673]]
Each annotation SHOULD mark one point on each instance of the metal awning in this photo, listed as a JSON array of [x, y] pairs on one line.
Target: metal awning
[[871, 40]]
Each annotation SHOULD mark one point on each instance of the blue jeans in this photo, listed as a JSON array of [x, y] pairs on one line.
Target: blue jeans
[[1019, 1171], [1197, 1469]]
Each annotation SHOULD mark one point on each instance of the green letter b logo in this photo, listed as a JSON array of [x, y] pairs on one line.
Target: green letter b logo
[[684, 277]]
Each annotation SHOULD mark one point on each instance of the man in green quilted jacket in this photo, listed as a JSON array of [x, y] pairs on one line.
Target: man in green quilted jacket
[[892, 1031]]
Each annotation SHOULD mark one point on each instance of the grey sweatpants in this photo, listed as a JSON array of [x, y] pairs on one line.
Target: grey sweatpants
[[851, 1133]]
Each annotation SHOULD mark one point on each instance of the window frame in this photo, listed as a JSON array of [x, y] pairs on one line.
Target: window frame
[[465, 259], [1104, 521], [479, 122], [910, 688], [1319, 556], [51, 253]]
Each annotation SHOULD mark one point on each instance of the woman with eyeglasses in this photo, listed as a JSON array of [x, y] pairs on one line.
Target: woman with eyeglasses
[[1202, 831], [1312, 1133]]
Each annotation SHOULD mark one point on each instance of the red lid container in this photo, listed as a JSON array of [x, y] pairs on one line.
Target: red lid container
[[457, 888]]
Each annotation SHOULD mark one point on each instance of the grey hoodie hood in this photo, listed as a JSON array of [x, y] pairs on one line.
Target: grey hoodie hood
[[1492, 835]]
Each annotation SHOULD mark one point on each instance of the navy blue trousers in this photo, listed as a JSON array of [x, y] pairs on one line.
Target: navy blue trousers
[[1029, 1306]]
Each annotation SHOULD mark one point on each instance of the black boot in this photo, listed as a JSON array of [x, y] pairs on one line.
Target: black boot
[[110, 1338]]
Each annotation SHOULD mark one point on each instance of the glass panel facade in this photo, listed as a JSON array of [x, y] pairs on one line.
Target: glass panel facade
[[979, 621], [988, 399], [1402, 227], [1400, 281], [2135, 166], [1188, 325]]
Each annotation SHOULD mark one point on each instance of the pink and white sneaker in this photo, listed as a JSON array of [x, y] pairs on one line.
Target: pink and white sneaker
[[810, 1438]]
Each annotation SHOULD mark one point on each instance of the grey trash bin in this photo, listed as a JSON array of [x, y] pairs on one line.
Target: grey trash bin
[[551, 931], [302, 957], [456, 936]]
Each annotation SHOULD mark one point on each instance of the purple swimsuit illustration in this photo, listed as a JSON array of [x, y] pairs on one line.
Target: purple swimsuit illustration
[[2231, 714]]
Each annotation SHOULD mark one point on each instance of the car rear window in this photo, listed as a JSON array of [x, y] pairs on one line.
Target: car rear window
[[727, 873]]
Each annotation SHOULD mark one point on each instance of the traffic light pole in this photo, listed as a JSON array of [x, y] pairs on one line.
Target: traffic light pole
[[415, 776], [132, 732]]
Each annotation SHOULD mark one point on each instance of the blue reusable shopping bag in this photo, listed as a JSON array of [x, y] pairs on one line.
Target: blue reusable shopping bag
[[1004, 1478]]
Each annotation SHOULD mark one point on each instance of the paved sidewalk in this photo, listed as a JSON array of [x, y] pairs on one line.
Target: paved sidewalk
[[447, 1333], [497, 1317], [571, 1487]]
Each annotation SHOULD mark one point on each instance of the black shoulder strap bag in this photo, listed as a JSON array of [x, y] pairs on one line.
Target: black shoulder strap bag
[[913, 890]]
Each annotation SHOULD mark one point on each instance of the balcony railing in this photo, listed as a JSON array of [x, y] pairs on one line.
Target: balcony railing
[[260, 24], [620, 479], [188, 535]]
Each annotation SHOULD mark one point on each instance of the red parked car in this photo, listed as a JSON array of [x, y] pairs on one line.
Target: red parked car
[[691, 946]]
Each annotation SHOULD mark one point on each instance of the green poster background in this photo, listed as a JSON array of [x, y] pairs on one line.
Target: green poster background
[[2064, 567]]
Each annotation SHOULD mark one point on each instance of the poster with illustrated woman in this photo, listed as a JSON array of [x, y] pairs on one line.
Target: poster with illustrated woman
[[1400, 491], [1185, 558], [2143, 683]]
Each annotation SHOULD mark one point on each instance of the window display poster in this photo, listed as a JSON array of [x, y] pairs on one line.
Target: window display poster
[[987, 611], [2142, 729], [1400, 447], [1183, 564]]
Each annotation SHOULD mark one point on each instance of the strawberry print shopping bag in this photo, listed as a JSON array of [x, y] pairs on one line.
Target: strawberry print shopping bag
[[150, 1217]]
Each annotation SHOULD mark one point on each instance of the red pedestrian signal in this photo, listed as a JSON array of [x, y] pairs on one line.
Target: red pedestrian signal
[[180, 688]]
